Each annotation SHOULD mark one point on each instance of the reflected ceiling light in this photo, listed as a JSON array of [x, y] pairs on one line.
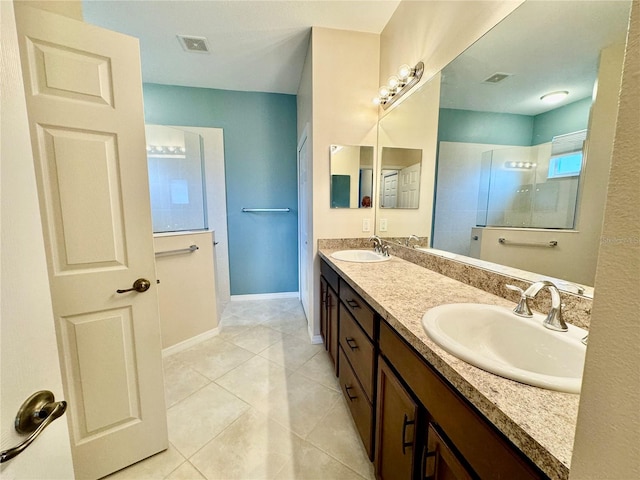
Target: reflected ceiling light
[[554, 97], [399, 84]]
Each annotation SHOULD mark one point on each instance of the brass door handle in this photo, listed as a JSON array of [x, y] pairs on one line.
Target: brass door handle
[[35, 414], [140, 285]]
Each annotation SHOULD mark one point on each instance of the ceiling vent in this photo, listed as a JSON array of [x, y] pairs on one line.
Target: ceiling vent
[[194, 44], [496, 78]]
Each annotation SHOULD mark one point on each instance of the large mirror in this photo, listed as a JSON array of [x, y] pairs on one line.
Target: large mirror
[[351, 176], [521, 182]]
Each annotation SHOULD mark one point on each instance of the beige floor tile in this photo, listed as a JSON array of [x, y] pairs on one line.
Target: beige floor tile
[[286, 322], [181, 381], [310, 463], [299, 404], [213, 358], [200, 417], [254, 380], [291, 352], [227, 332], [336, 435], [155, 467], [186, 471], [252, 447], [257, 338], [321, 369]]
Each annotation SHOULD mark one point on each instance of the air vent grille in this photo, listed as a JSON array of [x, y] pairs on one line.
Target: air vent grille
[[497, 77], [194, 44]]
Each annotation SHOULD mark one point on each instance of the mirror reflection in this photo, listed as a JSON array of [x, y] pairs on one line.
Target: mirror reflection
[[400, 177], [513, 167], [176, 182], [351, 176]]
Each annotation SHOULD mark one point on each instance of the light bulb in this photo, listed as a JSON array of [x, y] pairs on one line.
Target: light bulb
[[520, 164], [384, 92], [405, 71], [513, 164], [527, 165], [393, 82], [376, 100]]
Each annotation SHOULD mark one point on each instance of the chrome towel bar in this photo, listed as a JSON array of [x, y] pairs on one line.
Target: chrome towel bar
[[179, 251], [266, 210], [549, 244]]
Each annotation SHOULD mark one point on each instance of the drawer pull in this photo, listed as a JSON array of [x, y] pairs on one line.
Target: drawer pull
[[351, 397], [406, 444], [426, 455], [351, 342], [353, 304]]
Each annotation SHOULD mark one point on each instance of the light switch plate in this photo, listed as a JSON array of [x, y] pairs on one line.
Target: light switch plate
[[366, 225], [383, 224]]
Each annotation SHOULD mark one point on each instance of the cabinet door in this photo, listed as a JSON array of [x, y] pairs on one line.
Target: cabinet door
[[323, 312], [396, 416], [439, 460], [332, 324]]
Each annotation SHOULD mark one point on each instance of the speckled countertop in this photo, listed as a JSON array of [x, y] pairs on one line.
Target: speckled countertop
[[539, 422]]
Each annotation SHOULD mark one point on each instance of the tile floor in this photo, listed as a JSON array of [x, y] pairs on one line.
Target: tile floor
[[268, 405]]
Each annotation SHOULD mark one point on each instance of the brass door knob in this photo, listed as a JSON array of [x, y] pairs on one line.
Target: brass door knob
[[140, 285]]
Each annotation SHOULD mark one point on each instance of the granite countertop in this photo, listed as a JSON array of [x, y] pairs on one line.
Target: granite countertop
[[540, 422]]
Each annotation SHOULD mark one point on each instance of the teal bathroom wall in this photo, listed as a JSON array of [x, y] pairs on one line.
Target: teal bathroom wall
[[467, 126], [567, 119], [260, 140]]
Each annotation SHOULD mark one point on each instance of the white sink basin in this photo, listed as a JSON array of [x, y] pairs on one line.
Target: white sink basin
[[365, 256], [498, 341]]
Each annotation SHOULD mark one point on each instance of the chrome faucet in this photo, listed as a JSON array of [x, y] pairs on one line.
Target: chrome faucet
[[554, 319], [377, 243], [412, 237]]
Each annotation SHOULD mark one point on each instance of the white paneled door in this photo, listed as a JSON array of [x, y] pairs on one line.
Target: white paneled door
[[84, 102]]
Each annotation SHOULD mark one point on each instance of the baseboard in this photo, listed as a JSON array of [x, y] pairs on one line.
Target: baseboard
[[264, 296], [184, 345]]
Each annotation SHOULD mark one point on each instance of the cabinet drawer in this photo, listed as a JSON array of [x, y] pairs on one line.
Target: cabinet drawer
[[358, 349], [357, 307], [329, 274], [488, 453], [361, 409]]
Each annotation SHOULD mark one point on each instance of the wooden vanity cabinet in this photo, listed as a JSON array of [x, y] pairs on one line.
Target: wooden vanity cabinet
[[439, 461], [329, 303], [414, 425], [481, 450], [397, 425]]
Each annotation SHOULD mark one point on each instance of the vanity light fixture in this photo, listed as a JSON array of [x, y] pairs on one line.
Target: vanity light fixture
[[399, 84], [554, 97], [520, 165], [166, 150]]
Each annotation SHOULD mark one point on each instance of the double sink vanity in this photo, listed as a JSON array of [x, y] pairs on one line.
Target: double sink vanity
[[404, 340]]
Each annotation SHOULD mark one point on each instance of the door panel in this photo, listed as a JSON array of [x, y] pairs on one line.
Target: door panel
[[84, 102], [28, 351], [85, 218]]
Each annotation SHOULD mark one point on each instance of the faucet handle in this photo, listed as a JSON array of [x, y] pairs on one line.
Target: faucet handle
[[522, 309]]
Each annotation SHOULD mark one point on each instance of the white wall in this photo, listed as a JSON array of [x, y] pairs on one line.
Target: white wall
[[607, 444], [415, 127], [187, 289], [344, 116]]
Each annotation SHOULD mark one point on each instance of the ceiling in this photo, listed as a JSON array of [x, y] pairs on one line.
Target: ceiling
[[254, 45], [545, 46]]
